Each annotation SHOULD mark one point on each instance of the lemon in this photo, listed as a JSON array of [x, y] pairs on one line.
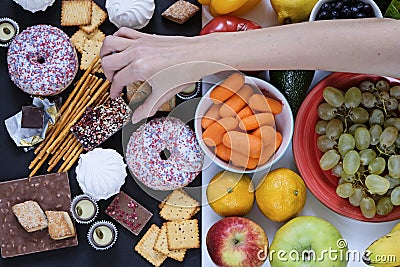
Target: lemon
[[230, 194], [292, 11], [281, 195]]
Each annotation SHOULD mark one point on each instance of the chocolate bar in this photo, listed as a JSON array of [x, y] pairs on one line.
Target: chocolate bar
[[51, 192], [128, 213], [32, 117], [100, 123]]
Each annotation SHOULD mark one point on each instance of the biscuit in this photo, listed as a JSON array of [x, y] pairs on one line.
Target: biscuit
[[80, 37], [97, 18], [183, 234], [145, 247], [91, 50], [178, 206], [76, 12], [30, 215], [60, 224], [161, 246]]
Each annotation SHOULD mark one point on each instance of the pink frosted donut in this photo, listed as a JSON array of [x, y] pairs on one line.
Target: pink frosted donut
[[145, 147], [42, 60]]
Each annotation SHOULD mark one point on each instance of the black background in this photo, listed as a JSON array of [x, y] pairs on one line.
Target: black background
[[14, 162]]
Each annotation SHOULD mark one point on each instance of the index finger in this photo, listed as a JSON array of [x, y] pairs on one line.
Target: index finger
[[114, 44]]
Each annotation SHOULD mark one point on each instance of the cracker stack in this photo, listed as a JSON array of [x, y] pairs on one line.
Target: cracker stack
[[89, 38], [179, 233]]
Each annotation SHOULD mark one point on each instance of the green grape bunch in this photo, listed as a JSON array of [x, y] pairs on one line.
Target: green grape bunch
[[358, 134]]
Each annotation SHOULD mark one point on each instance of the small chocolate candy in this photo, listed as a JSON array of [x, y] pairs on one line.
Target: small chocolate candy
[[190, 92], [8, 30], [32, 117], [102, 235], [129, 213], [84, 209]]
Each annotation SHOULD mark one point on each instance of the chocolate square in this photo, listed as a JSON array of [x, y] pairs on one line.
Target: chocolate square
[[32, 117], [51, 192], [128, 213]]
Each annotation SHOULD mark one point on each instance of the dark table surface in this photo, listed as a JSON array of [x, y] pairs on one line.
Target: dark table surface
[[14, 161]]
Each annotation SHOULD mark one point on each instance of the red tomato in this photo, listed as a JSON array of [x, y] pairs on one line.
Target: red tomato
[[228, 23]]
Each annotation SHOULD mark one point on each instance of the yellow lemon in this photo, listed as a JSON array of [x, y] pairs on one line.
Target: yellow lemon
[[292, 11], [281, 195], [230, 194]]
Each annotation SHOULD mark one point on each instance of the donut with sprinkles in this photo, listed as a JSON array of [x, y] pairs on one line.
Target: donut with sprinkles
[[42, 60], [151, 140]]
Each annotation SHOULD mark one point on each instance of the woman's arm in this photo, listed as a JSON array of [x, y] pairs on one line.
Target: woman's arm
[[360, 45]]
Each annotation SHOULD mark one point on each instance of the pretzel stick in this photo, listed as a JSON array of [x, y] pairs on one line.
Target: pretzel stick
[[61, 136], [64, 121], [60, 145], [96, 67], [103, 99], [76, 89], [59, 126], [55, 130], [39, 164], [72, 160], [49, 133], [62, 149], [70, 156], [87, 97], [82, 98], [70, 149]]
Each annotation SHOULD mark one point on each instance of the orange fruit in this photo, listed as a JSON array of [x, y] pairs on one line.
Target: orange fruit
[[281, 195], [230, 194]]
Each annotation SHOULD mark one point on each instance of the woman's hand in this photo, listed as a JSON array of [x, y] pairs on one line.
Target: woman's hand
[[129, 56]]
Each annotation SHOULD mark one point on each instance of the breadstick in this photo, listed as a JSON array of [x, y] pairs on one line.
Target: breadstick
[[70, 149], [66, 129], [57, 157], [78, 85], [39, 164], [67, 160], [72, 160]]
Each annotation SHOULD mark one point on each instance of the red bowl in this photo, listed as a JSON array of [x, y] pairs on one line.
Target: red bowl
[[322, 184]]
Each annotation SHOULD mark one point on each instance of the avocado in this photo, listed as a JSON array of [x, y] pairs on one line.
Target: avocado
[[293, 84]]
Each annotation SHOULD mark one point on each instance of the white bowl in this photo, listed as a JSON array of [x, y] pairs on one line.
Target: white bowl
[[284, 124], [314, 12]]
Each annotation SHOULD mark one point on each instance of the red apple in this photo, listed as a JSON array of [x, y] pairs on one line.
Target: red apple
[[237, 241]]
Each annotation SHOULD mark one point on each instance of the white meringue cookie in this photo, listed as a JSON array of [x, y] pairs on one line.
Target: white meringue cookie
[[134, 14], [101, 173], [34, 5]]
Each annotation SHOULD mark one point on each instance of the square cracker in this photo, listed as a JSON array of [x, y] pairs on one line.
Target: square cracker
[[98, 17], [76, 12], [162, 246], [178, 206], [30, 215], [90, 51], [79, 38], [145, 247], [183, 234]]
